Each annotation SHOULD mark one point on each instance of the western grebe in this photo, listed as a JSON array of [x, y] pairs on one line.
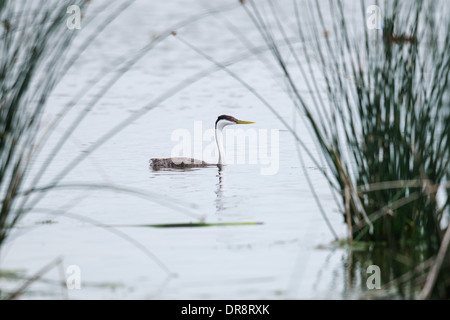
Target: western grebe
[[181, 163]]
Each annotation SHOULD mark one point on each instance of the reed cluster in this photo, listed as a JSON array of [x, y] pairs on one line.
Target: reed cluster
[[34, 42], [377, 105]]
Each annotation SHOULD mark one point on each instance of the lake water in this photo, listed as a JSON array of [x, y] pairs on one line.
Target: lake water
[[287, 251]]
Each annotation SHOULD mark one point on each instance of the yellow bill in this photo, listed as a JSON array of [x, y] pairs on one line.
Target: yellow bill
[[243, 122]]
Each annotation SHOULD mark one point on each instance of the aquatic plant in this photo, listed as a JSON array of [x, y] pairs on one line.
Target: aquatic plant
[[377, 106], [33, 43]]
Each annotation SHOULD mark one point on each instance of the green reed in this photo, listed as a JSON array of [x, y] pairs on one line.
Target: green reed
[[378, 108], [34, 41]]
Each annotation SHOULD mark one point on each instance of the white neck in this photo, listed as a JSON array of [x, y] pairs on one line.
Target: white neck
[[219, 141]]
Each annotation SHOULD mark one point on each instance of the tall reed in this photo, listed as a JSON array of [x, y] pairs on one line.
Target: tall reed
[[378, 109], [34, 41]]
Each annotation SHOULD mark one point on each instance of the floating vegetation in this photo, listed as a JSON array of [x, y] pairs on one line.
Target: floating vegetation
[[193, 224]]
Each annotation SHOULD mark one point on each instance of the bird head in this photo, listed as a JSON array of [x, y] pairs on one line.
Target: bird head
[[225, 120]]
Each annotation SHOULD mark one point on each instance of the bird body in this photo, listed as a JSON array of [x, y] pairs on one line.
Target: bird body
[[184, 163], [177, 163]]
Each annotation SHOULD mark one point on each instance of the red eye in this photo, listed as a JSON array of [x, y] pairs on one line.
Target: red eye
[[232, 119]]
